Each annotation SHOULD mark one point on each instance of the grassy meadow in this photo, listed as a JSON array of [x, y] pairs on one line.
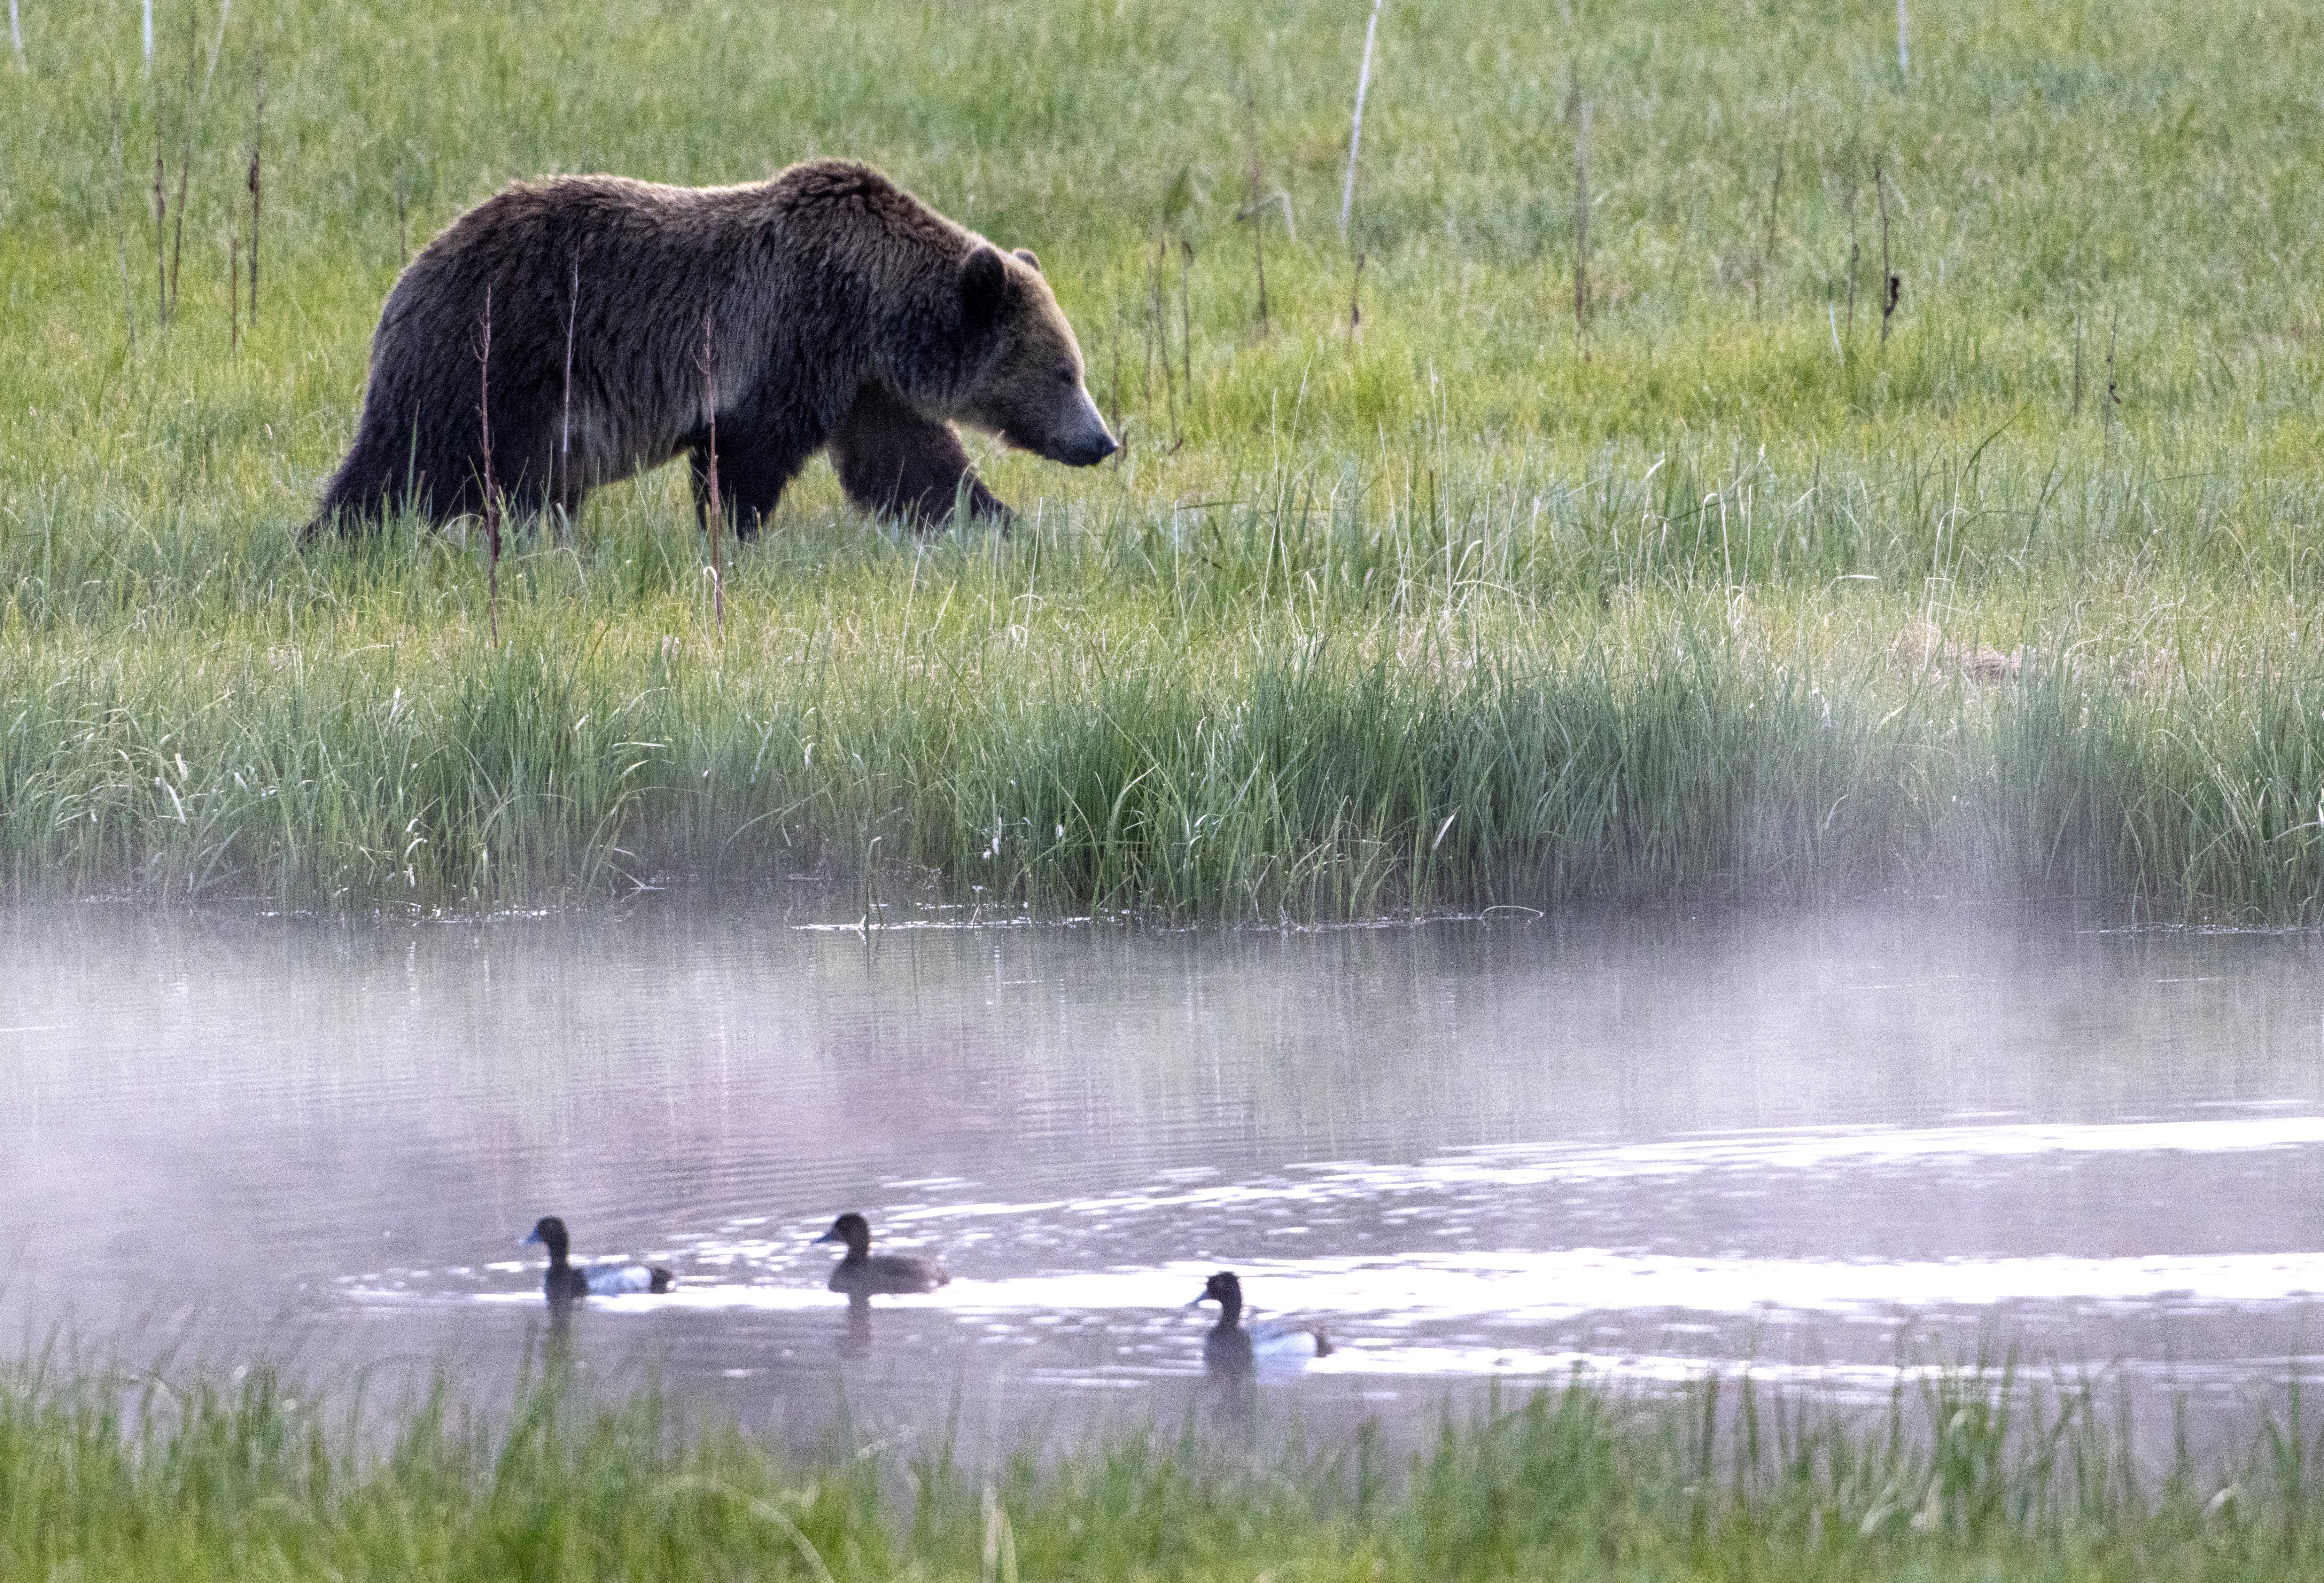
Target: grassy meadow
[[1970, 1479], [1735, 585]]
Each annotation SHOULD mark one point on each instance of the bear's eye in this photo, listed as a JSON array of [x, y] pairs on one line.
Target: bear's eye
[[1066, 377]]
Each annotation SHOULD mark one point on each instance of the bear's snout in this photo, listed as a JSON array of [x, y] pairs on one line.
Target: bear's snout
[[1090, 452], [1088, 442]]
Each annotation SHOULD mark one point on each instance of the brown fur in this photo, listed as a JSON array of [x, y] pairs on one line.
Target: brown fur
[[843, 313]]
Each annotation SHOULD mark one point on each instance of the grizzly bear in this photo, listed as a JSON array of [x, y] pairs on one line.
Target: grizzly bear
[[828, 309]]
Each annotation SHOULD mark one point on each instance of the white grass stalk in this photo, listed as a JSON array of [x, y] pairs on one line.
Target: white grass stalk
[[1903, 50], [1580, 219], [565, 421], [217, 44], [149, 38], [17, 35], [1356, 128]]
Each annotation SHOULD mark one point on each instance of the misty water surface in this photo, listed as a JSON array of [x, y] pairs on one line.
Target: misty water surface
[[1643, 1145]]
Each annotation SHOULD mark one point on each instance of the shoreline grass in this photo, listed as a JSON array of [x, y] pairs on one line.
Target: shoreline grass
[[1974, 1476], [1290, 707], [1444, 615]]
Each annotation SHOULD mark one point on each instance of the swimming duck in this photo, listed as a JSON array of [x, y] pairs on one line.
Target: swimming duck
[[859, 1274], [1233, 1351], [564, 1282]]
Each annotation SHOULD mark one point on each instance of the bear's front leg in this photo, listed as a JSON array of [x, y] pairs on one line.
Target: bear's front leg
[[752, 477], [894, 463]]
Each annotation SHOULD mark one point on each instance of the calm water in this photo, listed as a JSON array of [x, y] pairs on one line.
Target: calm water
[[1645, 1145]]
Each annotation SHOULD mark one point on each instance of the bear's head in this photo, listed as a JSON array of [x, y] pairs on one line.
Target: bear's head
[[1027, 391]]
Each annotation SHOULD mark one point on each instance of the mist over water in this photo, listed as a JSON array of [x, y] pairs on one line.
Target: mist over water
[[1839, 1147]]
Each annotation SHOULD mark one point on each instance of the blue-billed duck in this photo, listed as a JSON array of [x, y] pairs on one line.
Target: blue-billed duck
[[889, 1274], [1231, 1350], [564, 1282]]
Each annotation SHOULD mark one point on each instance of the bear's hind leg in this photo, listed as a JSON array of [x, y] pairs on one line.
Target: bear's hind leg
[[894, 463]]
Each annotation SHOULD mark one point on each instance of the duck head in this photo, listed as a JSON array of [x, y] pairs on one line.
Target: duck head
[[549, 1232], [1225, 1290], [852, 1229]]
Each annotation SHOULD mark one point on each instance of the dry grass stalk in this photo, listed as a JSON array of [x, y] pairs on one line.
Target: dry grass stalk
[[1146, 326], [1356, 126], [2113, 390], [1159, 317], [1578, 108], [217, 43], [1356, 303], [717, 506], [1254, 212], [1186, 317], [161, 234], [121, 217], [233, 290], [258, 141], [1903, 52], [2077, 410], [185, 158], [147, 37], [1892, 283], [1114, 395], [1854, 252], [491, 483], [564, 414], [402, 220], [16, 36], [1774, 214]]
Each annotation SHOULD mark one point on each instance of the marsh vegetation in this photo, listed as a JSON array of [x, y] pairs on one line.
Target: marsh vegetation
[[1970, 1478], [1715, 566]]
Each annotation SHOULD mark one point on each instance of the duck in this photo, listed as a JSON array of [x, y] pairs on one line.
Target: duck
[[1230, 1351], [565, 1282], [891, 1275]]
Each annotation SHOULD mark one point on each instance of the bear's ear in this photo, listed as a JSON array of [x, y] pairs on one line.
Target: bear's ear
[[1026, 253], [984, 286]]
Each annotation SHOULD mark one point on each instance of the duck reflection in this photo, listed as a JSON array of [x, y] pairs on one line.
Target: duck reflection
[[855, 1335], [556, 1343]]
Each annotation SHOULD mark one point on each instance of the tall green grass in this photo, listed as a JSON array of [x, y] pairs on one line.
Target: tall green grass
[[1442, 614], [1259, 710], [1971, 1476]]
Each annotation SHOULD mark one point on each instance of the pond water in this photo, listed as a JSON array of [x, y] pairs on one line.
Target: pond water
[[1836, 1146]]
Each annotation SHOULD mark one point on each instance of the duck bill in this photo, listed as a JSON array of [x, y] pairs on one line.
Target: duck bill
[[1198, 1302], [826, 1236], [528, 1239]]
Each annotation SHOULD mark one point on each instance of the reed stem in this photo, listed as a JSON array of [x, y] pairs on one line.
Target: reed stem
[[1892, 288], [1254, 211], [185, 158], [717, 507], [1580, 108], [160, 235], [257, 178], [492, 482], [1186, 318], [121, 216], [565, 495]]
